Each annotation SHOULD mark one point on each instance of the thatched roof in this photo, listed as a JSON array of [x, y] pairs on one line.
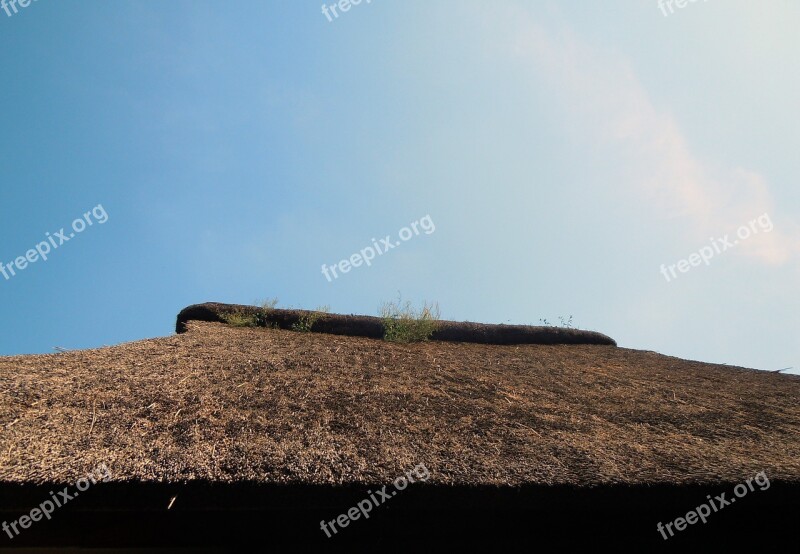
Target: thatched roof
[[223, 404], [372, 327]]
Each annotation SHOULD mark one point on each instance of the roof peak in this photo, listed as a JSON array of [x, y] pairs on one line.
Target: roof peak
[[373, 327]]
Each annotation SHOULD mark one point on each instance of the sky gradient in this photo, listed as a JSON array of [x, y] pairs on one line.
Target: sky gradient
[[564, 152]]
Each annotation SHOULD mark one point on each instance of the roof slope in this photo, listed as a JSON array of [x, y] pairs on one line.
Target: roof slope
[[227, 404]]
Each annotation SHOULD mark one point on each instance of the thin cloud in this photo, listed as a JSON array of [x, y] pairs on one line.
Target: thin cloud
[[608, 105]]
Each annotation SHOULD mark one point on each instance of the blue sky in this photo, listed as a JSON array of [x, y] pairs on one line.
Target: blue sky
[[564, 151]]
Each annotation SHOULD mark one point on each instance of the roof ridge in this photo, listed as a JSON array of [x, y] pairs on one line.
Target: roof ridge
[[372, 327]]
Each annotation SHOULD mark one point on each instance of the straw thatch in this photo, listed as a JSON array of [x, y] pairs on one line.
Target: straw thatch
[[372, 327], [225, 404]]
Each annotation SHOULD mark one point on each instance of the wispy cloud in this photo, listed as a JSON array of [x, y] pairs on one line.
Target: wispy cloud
[[610, 107]]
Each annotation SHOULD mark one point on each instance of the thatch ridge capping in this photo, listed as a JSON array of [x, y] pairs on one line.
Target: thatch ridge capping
[[372, 327]]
